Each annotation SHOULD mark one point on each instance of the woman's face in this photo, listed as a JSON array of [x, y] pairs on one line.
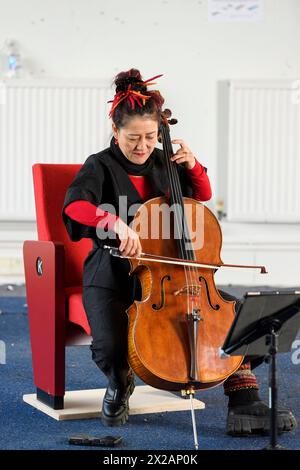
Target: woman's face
[[138, 138]]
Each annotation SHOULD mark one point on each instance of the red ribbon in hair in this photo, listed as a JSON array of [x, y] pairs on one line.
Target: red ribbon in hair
[[132, 95]]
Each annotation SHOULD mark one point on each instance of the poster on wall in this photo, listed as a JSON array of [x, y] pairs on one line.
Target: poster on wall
[[235, 10]]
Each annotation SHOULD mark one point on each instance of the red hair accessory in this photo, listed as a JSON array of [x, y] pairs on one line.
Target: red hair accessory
[[132, 95]]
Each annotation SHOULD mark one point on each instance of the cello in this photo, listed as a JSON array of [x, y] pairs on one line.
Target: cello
[[177, 328]]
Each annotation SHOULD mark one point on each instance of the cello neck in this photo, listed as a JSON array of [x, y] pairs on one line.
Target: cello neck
[[176, 198]]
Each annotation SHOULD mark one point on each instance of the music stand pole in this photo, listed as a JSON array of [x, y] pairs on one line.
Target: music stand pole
[[272, 342]]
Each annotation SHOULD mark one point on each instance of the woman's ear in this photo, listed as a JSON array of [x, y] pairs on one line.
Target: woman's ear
[[115, 130]]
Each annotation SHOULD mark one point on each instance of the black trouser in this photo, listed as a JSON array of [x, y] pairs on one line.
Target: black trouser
[[106, 312]]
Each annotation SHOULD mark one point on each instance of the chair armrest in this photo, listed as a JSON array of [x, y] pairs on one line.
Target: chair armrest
[[46, 300]]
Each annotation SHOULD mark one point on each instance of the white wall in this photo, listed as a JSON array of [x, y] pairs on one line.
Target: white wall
[[97, 39]]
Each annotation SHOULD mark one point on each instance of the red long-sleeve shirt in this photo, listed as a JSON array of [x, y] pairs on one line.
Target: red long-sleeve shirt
[[87, 213]]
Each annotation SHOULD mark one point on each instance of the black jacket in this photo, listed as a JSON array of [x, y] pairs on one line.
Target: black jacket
[[102, 180]]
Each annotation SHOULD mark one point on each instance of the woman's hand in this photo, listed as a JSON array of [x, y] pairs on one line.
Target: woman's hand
[[183, 155], [130, 243]]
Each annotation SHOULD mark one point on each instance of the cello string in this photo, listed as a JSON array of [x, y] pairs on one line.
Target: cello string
[[168, 153], [184, 227], [173, 187], [181, 226], [192, 271]]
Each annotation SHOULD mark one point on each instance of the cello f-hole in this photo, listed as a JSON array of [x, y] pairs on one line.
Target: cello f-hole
[[214, 307], [162, 293]]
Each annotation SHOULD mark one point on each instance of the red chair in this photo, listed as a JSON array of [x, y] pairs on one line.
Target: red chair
[[53, 275]]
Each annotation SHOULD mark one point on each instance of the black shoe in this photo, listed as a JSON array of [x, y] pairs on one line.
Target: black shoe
[[115, 406], [254, 418]]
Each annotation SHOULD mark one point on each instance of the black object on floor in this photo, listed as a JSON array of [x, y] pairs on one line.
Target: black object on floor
[[85, 440]]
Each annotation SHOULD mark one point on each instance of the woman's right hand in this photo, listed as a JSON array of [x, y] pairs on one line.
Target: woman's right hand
[[130, 242]]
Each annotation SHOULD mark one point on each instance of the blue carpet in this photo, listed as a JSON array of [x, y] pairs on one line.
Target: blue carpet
[[22, 427]]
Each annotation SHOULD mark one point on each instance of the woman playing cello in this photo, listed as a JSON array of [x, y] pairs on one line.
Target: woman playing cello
[[127, 173]]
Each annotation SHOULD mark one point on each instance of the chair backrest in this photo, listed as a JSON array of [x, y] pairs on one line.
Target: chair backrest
[[51, 181]]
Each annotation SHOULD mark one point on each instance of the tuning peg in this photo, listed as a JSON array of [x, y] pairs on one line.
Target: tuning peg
[[167, 113]]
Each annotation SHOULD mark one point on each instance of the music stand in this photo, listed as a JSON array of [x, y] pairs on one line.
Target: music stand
[[266, 323]]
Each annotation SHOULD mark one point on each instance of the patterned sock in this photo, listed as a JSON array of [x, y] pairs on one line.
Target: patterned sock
[[241, 387]]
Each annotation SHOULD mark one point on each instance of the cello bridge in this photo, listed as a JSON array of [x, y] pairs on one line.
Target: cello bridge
[[191, 289]]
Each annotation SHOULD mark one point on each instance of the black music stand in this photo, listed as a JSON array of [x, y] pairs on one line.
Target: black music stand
[[266, 323]]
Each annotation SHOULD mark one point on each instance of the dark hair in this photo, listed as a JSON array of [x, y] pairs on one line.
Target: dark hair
[[124, 112]]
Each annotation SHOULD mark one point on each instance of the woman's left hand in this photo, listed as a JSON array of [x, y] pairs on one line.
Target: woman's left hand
[[183, 155]]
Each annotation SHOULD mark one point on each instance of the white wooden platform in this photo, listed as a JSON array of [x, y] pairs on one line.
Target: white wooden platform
[[85, 404]]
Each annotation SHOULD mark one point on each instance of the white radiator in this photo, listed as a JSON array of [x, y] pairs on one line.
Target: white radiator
[[46, 121], [259, 150]]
